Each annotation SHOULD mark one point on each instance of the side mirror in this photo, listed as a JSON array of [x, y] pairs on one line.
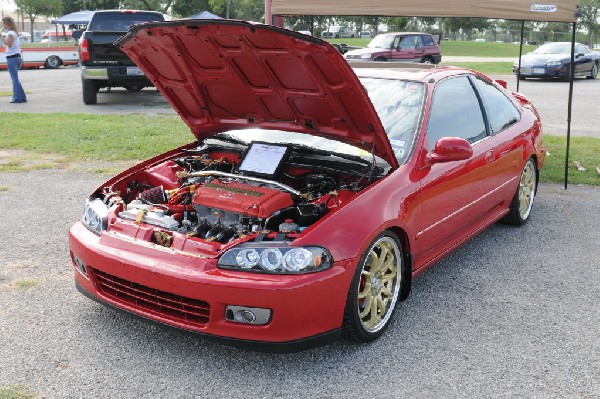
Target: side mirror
[[448, 149], [76, 34]]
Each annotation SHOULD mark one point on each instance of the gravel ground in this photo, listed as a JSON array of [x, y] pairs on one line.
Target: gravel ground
[[513, 314]]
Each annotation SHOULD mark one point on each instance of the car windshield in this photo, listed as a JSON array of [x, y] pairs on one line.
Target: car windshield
[[553, 48], [398, 103], [381, 41]]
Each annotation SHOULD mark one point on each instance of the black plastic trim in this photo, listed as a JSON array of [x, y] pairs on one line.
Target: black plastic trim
[[258, 346]]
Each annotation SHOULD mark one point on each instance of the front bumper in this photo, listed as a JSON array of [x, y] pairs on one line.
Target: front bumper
[[190, 293], [542, 71]]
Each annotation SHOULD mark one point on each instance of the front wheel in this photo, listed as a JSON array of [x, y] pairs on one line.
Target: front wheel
[[427, 60], [52, 62], [522, 202], [593, 72], [374, 290]]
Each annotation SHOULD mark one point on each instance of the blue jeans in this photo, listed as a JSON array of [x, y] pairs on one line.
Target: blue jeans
[[13, 65]]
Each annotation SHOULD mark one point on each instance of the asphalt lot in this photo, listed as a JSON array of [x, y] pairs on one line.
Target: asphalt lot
[[515, 313], [59, 90], [512, 314]]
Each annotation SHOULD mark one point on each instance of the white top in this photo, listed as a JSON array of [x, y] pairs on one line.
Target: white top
[[16, 47]]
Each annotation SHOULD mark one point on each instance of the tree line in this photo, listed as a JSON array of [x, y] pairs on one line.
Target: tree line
[[253, 10]]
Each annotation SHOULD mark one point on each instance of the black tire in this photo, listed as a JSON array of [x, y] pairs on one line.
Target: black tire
[[427, 60], [522, 202], [593, 72], [381, 59], [521, 77], [90, 91], [374, 290], [52, 62], [134, 87], [567, 77]]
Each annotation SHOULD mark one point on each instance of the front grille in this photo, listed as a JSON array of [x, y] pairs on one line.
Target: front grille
[[171, 306]]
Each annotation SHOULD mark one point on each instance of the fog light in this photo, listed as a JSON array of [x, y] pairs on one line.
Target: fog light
[[80, 265], [247, 315]]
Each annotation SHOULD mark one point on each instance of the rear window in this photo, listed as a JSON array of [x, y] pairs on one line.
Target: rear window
[[121, 21], [427, 40]]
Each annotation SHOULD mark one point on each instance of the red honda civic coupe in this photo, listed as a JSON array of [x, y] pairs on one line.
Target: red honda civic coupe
[[313, 194]]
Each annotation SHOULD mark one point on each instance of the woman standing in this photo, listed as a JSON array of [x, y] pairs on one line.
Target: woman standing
[[13, 58]]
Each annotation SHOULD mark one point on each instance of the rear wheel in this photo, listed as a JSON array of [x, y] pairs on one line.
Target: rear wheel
[[381, 59], [427, 60], [593, 72], [52, 62], [90, 92], [374, 290], [522, 202]]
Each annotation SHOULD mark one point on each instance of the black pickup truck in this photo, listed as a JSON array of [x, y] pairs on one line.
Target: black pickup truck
[[102, 64]]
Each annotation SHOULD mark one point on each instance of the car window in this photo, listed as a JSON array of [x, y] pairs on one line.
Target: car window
[[427, 40], [399, 105], [582, 49], [455, 112], [500, 111], [408, 42]]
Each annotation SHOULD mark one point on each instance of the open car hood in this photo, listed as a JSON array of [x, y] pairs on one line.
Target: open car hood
[[224, 74]]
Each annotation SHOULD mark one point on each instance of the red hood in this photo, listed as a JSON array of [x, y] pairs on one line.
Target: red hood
[[223, 74]]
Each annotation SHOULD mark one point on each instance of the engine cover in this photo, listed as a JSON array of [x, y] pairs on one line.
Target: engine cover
[[242, 198]]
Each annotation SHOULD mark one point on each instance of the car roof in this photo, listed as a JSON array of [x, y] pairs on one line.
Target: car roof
[[415, 74]]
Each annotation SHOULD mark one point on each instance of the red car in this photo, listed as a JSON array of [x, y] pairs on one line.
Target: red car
[[399, 47], [313, 194]]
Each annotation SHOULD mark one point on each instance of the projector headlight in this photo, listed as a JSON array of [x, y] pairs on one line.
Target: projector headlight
[[95, 215], [276, 259]]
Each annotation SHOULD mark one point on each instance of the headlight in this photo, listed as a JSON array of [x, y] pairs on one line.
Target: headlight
[[365, 56], [553, 63], [276, 259], [95, 215]]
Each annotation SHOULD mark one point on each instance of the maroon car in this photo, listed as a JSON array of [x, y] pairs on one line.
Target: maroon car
[[312, 194], [399, 47]]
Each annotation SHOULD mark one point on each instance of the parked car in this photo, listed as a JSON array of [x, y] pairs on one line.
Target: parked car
[[399, 47], [553, 60], [365, 34], [338, 32], [312, 193]]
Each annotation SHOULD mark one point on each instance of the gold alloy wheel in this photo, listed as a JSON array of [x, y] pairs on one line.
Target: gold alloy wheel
[[379, 284], [527, 189]]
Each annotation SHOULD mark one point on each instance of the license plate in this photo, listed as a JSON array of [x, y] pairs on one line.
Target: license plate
[[134, 71], [539, 70]]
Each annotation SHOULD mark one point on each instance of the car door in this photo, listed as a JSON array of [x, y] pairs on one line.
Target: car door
[[583, 60], [455, 195], [404, 48]]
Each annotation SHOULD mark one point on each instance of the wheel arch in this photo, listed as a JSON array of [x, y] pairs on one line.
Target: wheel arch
[[407, 259]]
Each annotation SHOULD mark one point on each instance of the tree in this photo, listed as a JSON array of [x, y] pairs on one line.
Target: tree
[[35, 8], [186, 8], [250, 10], [589, 11]]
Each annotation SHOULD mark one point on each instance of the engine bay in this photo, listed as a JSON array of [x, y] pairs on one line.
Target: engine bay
[[205, 193]]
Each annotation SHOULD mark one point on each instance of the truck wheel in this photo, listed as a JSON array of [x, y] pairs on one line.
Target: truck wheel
[[52, 62], [90, 92]]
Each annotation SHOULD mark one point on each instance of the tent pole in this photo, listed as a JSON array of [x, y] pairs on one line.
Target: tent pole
[[520, 53], [572, 72]]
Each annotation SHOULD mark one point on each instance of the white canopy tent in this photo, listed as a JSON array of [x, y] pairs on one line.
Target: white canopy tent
[[522, 10]]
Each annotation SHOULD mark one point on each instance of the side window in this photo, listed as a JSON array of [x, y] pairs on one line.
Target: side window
[[455, 112], [581, 49], [407, 42], [501, 112], [427, 40]]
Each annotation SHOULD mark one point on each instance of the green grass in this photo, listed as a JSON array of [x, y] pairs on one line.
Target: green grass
[[26, 283], [4, 188], [16, 391], [488, 68], [82, 137], [55, 140], [586, 150], [462, 48]]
